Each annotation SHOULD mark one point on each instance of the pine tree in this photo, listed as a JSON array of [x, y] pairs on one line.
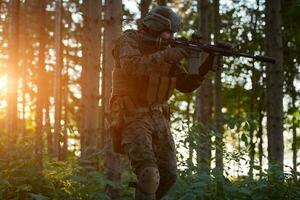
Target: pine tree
[[41, 83], [113, 28], [90, 82], [218, 93], [204, 100], [13, 44], [57, 74], [274, 90]]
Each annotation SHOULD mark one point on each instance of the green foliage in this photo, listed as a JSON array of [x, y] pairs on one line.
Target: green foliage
[[22, 178], [217, 187]]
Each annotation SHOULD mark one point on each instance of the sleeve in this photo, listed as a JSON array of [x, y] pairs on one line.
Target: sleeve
[[132, 59], [187, 83]]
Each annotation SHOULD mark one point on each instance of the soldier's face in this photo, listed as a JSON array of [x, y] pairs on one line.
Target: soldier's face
[[166, 35]]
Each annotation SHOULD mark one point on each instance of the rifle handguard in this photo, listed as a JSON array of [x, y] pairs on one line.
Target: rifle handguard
[[265, 59]]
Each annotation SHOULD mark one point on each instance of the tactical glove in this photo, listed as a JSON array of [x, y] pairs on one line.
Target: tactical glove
[[174, 55], [209, 63]]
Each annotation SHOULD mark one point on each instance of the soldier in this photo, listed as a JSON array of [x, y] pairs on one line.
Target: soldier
[[144, 77]]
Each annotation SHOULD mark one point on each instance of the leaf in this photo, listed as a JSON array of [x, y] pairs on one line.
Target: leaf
[[257, 167], [244, 139], [246, 191], [188, 197], [4, 182], [80, 179], [231, 124], [25, 188], [38, 196]]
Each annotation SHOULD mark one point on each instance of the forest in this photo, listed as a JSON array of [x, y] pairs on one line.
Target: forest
[[237, 136]]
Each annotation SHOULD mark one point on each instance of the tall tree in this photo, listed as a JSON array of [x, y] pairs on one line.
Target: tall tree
[[113, 29], [291, 45], [23, 57], [204, 98], [41, 82], [91, 44], [57, 76], [260, 136], [65, 81], [162, 2], [218, 92], [256, 88], [13, 42], [274, 90], [144, 7]]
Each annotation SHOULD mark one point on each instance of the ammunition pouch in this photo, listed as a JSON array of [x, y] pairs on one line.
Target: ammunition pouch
[[143, 90], [132, 95], [123, 112], [116, 125]]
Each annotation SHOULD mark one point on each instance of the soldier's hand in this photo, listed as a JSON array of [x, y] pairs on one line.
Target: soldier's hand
[[175, 54], [226, 46]]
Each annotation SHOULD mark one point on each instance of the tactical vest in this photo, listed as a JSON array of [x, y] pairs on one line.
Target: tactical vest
[[146, 90]]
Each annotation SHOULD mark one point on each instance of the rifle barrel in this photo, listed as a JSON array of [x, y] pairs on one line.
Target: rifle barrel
[[198, 47], [258, 57]]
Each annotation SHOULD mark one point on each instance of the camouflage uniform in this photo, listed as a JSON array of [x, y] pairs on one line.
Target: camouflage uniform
[[143, 81]]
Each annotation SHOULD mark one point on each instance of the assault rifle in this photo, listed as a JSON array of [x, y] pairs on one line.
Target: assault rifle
[[196, 45]]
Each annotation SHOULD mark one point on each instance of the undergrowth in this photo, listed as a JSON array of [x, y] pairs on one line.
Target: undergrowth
[[22, 179]]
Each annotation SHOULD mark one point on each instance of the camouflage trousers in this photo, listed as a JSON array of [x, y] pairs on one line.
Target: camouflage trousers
[[147, 140]]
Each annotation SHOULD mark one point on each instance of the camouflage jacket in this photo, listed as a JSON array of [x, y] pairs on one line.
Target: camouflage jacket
[[146, 63]]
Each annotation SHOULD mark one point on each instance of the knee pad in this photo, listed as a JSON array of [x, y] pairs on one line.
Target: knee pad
[[148, 180]]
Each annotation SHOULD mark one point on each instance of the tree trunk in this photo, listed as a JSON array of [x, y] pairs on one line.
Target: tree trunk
[[218, 94], [274, 91], [113, 28], [144, 7], [190, 136], [251, 130], [12, 84], [260, 136], [64, 150], [50, 137], [256, 88], [162, 2], [57, 79], [294, 130], [24, 62], [90, 83], [41, 83], [204, 100]]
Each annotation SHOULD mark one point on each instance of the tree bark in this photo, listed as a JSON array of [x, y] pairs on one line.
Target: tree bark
[[65, 80], [260, 136], [113, 28], [294, 130], [190, 136], [274, 90], [218, 93], [144, 7], [57, 79], [13, 56], [162, 2], [251, 130], [90, 83], [41, 83], [24, 62], [204, 100]]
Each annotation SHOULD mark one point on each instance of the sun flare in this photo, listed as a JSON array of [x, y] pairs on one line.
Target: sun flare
[[3, 84]]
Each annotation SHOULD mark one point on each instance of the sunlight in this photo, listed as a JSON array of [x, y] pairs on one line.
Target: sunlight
[[3, 84]]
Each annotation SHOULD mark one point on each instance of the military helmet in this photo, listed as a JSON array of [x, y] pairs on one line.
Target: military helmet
[[161, 19]]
